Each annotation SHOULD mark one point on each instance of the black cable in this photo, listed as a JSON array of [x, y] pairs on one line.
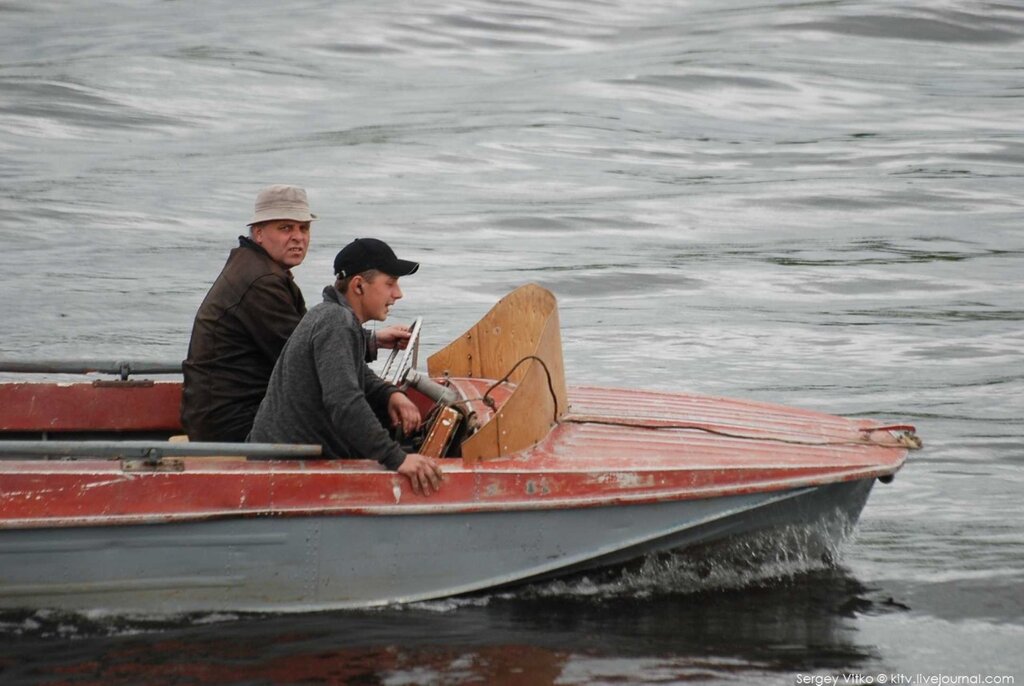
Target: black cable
[[551, 386]]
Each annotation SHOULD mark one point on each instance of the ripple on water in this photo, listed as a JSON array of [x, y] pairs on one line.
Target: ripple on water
[[938, 26]]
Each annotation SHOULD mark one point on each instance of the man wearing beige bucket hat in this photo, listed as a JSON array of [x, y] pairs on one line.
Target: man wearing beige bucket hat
[[245, 319]]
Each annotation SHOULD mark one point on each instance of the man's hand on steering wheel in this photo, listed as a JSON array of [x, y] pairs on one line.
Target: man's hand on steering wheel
[[395, 336]]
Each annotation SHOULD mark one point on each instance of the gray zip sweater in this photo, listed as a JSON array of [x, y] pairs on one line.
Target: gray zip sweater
[[322, 391]]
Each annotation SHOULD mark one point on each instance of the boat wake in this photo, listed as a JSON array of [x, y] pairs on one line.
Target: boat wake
[[756, 560], [62, 624]]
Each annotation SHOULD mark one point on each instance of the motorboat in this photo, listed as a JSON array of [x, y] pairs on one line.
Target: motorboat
[[104, 506]]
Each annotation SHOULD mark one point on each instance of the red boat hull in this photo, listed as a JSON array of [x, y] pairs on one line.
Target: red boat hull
[[612, 447]]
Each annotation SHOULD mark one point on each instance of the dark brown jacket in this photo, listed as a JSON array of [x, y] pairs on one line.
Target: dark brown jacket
[[251, 310]]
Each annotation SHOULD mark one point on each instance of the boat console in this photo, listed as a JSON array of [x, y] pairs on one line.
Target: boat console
[[496, 389]]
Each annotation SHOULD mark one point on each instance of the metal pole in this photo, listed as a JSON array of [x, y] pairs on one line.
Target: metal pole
[[152, 449], [119, 368]]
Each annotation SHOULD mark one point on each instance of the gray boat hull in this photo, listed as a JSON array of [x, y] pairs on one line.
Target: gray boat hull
[[317, 562]]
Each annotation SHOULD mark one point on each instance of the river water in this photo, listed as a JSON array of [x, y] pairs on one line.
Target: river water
[[811, 203]]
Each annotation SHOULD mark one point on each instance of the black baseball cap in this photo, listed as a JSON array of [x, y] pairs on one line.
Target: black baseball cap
[[364, 254]]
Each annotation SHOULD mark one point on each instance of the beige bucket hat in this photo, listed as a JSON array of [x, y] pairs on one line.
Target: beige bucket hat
[[281, 202]]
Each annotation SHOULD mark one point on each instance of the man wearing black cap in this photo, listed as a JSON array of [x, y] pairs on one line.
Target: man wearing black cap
[[322, 391]]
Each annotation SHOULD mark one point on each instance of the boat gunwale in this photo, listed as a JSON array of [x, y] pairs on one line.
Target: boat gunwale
[[535, 499]]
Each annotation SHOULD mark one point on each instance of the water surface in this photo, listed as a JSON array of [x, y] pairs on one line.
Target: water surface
[[811, 203]]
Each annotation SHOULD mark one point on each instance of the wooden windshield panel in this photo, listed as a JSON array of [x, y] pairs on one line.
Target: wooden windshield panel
[[522, 328]]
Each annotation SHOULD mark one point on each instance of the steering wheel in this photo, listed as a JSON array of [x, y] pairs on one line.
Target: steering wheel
[[395, 374]]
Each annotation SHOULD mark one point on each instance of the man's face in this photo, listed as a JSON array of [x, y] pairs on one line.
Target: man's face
[[285, 240], [378, 295]]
